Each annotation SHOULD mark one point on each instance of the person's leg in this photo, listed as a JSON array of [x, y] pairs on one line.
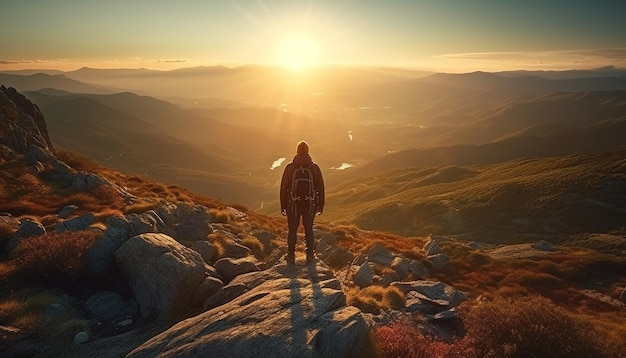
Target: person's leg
[[293, 220], [307, 222]]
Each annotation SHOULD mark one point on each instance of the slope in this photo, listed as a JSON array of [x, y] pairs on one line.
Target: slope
[[520, 200]]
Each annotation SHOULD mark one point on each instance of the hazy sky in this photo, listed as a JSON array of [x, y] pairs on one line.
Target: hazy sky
[[443, 35]]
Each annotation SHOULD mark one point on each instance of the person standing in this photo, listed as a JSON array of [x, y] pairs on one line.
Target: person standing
[[301, 197]]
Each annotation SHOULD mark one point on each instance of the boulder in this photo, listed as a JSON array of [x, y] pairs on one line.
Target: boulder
[[79, 223], [364, 275], [234, 249], [380, 255], [189, 222], [401, 266], [230, 268], [542, 246], [29, 228], [162, 273], [205, 249], [67, 211], [337, 256], [100, 259], [106, 305], [288, 316], [146, 222], [265, 237], [434, 291], [207, 288], [418, 269], [439, 261]]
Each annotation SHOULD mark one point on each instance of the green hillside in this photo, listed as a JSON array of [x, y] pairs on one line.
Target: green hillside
[[522, 200]]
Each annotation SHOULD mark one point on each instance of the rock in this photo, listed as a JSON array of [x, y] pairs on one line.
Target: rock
[[224, 295], [329, 238], [205, 249], [106, 305], [401, 266], [359, 260], [55, 311], [431, 247], [364, 275], [100, 259], [380, 255], [275, 256], [87, 181], [67, 211], [542, 246], [442, 316], [147, 222], [81, 337], [289, 316], [434, 291], [162, 273], [234, 250], [29, 228], [337, 256], [80, 223], [230, 268], [22, 125], [439, 261], [207, 288], [265, 237], [189, 222], [418, 269]]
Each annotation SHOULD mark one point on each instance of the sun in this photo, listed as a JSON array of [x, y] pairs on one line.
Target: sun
[[298, 53]]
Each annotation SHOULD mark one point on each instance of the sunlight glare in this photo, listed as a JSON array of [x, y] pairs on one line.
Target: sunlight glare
[[298, 53]]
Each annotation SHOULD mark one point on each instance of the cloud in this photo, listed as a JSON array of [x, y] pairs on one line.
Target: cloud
[[19, 62], [571, 59], [175, 60]]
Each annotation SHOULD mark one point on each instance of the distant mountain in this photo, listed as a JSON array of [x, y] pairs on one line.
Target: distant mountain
[[38, 81], [608, 71], [603, 136]]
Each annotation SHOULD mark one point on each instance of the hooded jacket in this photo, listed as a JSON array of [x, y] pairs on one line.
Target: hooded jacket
[[285, 184]]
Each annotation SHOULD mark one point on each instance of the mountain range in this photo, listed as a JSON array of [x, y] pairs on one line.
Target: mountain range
[[370, 120]]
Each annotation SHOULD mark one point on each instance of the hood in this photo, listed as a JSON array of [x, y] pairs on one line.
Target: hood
[[302, 159]]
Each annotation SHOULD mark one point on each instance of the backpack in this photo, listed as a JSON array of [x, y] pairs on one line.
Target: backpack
[[303, 193]]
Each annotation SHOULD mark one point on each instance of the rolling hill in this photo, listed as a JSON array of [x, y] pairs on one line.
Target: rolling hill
[[519, 200]]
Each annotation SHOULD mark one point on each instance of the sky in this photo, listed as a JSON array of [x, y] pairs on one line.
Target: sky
[[437, 35]]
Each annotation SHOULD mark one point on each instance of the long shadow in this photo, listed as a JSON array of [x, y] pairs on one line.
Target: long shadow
[[298, 334], [317, 289]]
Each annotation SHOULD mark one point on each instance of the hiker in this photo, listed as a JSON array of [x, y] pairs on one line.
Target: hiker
[[301, 196]]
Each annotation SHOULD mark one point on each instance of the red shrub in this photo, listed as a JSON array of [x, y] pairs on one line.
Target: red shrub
[[403, 340], [59, 257], [529, 327]]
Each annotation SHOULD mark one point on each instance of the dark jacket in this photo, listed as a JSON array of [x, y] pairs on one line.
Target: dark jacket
[[285, 183]]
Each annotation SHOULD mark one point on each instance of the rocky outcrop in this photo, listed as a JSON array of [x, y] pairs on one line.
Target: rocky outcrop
[[287, 312], [22, 125], [168, 218], [163, 274]]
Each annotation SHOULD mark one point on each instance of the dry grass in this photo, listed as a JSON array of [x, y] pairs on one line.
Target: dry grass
[[373, 299], [54, 258], [255, 246], [220, 216]]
